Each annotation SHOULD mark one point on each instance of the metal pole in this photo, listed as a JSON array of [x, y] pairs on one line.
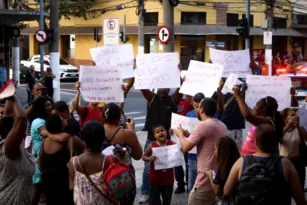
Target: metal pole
[[41, 47], [16, 60], [124, 29], [248, 13], [168, 19], [268, 48], [54, 48], [141, 27]]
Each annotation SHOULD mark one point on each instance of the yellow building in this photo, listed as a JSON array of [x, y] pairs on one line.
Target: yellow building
[[197, 25]]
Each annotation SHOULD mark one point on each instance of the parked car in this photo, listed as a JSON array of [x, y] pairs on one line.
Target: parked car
[[22, 73], [67, 71]]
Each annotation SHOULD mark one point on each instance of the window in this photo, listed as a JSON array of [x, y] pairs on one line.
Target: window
[[232, 20], [251, 20], [280, 22], [193, 18], [151, 19], [301, 19]]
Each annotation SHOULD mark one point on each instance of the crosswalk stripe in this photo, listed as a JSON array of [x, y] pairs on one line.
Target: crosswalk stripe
[[139, 125], [139, 118], [132, 113]]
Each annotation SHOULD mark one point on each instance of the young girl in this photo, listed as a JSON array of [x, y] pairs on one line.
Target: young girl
[[227, 153], [161, 181]]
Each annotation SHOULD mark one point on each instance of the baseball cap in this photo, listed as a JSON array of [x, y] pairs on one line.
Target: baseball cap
[[198, 97]]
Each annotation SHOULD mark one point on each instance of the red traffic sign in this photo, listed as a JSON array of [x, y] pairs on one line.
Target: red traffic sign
[[41, 36], [164, 34]]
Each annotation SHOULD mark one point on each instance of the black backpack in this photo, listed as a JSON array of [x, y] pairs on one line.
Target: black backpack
[[259, 183]]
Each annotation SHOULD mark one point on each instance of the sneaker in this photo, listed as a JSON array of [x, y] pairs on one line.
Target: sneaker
[[179, 190], [143, 199]]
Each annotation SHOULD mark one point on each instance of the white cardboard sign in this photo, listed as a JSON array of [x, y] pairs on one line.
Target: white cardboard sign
[[201, 77], [157, 70], [302, 113], [186, 123], [168, 157], [260, 87], [237, 62], [121, 56], [101, 84], [230, 83]]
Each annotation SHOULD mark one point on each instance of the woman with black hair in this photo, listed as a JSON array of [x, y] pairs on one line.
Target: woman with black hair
[[91, 165], [41, 109], [125, 140], [265, 112], [54, 157], [17, 166], [227, 153]]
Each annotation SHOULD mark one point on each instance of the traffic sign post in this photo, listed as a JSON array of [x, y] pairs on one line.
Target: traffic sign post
[[41, 36], [164, 34], [111, 30]]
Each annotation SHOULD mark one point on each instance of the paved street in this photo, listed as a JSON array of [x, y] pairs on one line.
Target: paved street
[[135, 107]]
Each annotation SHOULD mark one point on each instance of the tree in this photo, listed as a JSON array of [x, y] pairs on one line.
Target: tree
[[68, 8]]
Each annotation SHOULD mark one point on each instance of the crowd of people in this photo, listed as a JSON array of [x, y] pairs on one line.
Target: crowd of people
[[90, 161]]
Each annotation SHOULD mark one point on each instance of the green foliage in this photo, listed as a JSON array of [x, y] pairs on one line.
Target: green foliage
[[76, 8]]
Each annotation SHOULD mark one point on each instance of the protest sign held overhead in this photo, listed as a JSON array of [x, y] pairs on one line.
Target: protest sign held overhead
[[260, 87], [101, 84], [121, 56], [168, 157], [201, 77], [231, 81], [157, 70], [237, 62]]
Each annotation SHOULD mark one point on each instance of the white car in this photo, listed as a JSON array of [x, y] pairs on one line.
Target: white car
[[67, 71]]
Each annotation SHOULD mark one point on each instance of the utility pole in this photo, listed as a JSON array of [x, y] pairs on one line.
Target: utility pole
[[268, 48], [168, 19], [16, 60], [124, 29], [41, 27], [54, 48], [248, 14], [141, 13]]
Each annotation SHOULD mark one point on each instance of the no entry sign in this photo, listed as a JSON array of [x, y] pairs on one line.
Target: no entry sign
[[164, 34], [41, 36]]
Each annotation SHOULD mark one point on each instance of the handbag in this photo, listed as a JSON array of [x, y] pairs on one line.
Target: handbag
[[111, 200]]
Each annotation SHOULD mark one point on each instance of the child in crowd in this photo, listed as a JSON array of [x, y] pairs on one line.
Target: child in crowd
[[161, 181]]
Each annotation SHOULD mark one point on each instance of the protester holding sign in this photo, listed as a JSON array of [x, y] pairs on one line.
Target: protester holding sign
[[161, 181], [204, 136], [86, 113], [265, 112], [160, 109]]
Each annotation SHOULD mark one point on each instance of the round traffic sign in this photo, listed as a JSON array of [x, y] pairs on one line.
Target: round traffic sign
[[164, 34], [41, 36], [111, 24]]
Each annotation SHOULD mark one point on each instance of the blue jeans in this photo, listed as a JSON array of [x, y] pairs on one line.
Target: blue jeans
[[192, 164], [145, 188], [29, 96]]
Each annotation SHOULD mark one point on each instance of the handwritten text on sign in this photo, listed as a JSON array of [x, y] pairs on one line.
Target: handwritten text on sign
[[186, 123], [168, 157], [201, 77], [157, 70], [262, 86], [121, 56], [101, 84], [237, 62], [302, 113]]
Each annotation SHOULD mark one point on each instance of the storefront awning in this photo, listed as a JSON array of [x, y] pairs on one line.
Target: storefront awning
[[15, 16], [194, 30]]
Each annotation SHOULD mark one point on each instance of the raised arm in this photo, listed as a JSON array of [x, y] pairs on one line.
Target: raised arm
[[75, 102], [17, 133], [148, 95], [246, 112], [232, 180], [128, 86], [220, 96], [176, 95]]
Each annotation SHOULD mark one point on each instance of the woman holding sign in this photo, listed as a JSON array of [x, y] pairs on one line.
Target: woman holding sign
[[265, 112]]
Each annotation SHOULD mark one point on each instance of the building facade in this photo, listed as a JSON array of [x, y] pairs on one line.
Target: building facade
[[198, 25]]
